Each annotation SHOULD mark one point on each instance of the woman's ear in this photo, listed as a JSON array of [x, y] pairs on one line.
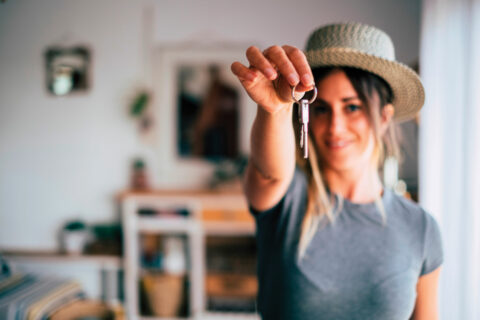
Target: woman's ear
[[387, 115]]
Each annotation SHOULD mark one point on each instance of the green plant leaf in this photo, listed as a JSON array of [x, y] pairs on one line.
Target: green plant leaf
[[139, 104]]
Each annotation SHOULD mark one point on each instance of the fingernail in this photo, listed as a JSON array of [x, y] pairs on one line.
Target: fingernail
[[250, 76], [270, 73], [307, 80], [292, 78]]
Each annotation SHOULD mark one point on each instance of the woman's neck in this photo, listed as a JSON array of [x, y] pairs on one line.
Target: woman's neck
[[359, 185]]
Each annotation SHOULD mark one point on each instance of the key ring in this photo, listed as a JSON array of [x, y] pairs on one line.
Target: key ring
[[311, 100]]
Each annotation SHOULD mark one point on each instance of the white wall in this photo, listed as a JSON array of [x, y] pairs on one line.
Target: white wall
[[67, 157], [266, 22]]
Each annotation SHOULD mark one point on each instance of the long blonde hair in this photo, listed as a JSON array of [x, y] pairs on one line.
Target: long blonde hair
[[320, 206]]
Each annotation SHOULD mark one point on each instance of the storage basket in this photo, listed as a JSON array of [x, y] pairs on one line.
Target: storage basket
[[164, 292]]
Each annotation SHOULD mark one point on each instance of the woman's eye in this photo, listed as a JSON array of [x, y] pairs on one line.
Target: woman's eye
[[353, 107]]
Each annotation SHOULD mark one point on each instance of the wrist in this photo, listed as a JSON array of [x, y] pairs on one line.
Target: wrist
[[278, 110]]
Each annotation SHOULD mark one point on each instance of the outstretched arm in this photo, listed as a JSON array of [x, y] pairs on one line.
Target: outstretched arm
[[268, 81]]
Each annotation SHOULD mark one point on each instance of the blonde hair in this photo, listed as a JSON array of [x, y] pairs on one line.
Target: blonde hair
[[321, 208]]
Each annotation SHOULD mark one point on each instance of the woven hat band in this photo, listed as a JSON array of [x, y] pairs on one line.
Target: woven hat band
[[364, 38]]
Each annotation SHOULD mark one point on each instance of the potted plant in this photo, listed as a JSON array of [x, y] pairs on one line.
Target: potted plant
[[74, 236]]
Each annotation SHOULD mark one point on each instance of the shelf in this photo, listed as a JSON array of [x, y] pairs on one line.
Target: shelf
[[220, 228], [156, 224], [214, 228], [56, 257]]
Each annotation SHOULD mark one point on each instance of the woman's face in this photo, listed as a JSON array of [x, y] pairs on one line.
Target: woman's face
[[340, 125]]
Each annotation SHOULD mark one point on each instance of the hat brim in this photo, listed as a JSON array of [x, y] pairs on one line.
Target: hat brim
[[407, 88]]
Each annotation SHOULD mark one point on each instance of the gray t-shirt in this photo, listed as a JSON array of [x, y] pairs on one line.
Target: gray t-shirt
[[356, 268]]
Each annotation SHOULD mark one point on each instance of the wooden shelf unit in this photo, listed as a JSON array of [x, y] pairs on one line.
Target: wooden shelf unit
[[211, 214]]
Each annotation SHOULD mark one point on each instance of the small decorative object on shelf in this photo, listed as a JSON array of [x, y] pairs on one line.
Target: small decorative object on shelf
[[74, 237], [106, 239], [175, 261], [139, 177]]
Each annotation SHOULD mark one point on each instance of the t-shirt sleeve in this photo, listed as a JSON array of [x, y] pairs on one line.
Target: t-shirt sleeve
[[276, 208], [295, 190], [279, 224], [433, 248]]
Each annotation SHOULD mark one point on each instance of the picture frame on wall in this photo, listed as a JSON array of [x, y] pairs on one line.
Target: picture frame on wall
[[204, 114], [67, 69], [207, 111]]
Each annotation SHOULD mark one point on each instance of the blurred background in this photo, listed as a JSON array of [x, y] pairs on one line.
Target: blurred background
[[123, 136]]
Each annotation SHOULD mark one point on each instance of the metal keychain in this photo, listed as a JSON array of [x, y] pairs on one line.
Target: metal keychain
[[303, 106]]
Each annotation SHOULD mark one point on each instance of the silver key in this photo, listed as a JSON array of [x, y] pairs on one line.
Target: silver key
[[303, 110]]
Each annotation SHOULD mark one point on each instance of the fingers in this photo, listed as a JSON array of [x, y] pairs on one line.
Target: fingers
[[258, 60], [287, 61], [280, 59], [290, 62], [242, 72], [300, 63]]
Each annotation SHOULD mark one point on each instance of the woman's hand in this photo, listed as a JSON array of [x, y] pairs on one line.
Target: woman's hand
[[268, 81], [271, 75]]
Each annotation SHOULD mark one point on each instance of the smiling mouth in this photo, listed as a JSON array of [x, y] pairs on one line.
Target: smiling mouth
[[337, 145]]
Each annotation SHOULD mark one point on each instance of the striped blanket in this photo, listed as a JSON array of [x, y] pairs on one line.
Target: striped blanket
[[31, 297]]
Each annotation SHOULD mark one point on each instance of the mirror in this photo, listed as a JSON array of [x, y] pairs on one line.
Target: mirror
[[67, 70], [208, 113]]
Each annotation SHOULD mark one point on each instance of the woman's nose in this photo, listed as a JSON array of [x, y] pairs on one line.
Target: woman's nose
[[337, 122]]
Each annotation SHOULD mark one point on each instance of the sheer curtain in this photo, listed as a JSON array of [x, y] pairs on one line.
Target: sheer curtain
[[449, 146]]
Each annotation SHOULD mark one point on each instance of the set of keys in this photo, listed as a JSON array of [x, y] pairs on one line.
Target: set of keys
[[303, 111]]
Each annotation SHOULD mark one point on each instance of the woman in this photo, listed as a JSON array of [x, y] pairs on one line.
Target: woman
[[333, 243]]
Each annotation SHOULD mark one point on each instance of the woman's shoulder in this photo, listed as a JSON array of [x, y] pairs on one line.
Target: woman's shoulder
[[402, 203], [410, 212], [420, 227]]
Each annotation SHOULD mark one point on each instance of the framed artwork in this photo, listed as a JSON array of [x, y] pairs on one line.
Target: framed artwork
[[203, 108], [67, 69], [208, 112], [203, 116]]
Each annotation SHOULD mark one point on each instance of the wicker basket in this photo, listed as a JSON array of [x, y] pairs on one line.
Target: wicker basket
[[164, 293]]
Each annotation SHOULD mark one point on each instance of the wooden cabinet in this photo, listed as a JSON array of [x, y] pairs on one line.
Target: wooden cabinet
[[219, 255]]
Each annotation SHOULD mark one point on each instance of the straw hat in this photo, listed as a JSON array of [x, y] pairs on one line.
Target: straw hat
[[368, 48]]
